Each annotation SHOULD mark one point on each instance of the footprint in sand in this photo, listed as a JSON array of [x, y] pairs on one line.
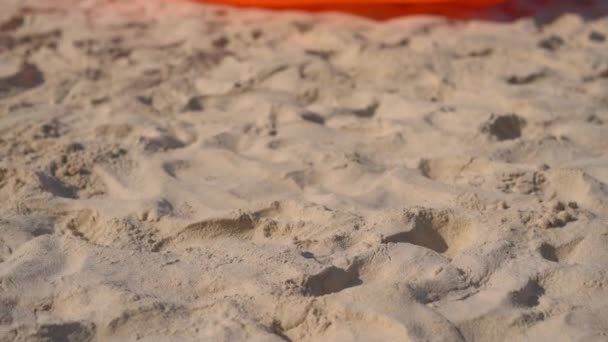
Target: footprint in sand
[[438, 230], [558, 253]]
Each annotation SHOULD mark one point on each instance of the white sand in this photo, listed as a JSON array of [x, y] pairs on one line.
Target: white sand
[[172, 172]]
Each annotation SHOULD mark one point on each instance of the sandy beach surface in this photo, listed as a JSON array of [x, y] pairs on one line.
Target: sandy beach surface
[[178, 172]]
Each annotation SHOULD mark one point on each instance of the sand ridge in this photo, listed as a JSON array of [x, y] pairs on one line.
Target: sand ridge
[[170, 171]]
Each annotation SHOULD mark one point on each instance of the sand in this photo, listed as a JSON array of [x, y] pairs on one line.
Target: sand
[[175, 172]]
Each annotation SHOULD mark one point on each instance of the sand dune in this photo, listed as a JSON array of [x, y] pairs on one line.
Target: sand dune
[[171, 171]]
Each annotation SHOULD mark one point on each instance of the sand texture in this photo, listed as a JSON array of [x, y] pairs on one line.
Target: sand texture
[[176, 172]]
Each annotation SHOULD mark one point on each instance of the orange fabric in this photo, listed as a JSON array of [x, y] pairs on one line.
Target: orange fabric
[[303, 3], [379, 9]]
